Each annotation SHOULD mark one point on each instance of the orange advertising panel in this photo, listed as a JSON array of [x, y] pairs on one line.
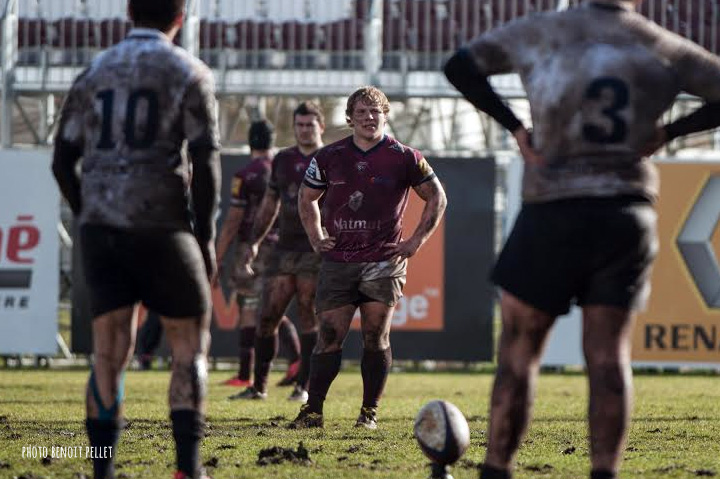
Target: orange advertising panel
[[682, 321], [421, 307]]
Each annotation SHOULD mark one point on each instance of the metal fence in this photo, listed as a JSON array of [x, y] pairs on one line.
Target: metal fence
[[319, 41]]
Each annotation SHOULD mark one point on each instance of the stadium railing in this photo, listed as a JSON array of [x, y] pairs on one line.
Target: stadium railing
[[321, 44]]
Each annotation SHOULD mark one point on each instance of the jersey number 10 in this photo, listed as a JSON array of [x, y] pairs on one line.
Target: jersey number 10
[[133, 138]]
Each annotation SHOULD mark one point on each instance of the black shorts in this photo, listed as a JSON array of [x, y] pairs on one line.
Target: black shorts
[[593, 251], [161, 268]]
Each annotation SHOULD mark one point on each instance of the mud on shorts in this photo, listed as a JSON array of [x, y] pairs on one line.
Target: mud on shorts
[[342, 284], [293, 263], [249, 288], [591, 251], [163, 269]]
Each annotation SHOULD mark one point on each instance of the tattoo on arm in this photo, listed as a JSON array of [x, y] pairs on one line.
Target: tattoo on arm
[[269, 209], [433, 194]]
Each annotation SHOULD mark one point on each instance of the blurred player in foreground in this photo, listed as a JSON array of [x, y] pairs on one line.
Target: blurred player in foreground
[[293, 265], [598, 78], [127, 116], [248, 187], [364, 180]]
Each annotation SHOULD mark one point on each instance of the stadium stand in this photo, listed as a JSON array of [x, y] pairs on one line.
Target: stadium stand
[[301, 40]]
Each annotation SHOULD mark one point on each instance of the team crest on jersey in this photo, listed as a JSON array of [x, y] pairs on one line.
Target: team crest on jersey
[[397, 147], [356, 200], [362, 166], [299, 167]]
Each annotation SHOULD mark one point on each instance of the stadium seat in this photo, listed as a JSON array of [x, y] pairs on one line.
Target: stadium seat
[[113, 31]]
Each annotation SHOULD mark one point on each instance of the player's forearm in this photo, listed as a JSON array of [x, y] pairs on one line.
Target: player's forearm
[[65, 157], [205, 192], [435, 204], [310, 216], [462, 72], [229, 229], [704, 118], [269, 208]]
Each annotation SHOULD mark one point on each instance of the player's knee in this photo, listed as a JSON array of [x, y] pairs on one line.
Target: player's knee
[[376, 340]]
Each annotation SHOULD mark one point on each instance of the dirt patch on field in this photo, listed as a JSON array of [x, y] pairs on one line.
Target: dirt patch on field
[[280, 455]]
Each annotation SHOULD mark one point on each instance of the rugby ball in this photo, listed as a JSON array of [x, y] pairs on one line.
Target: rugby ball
[[442, 432]]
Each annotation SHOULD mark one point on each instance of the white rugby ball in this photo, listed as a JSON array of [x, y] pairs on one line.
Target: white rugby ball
[[442, 432]]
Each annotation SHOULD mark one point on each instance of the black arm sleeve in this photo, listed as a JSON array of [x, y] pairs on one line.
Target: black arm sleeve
[[205, 191], [463, 73], [65, 158], [704, 118]]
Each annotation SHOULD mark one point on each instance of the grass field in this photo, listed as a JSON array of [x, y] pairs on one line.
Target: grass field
[[674, 434]]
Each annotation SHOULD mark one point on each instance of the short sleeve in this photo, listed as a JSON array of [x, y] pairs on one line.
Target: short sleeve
[[200, 114], [72, 129], [420, 169], [698, 70], [315, 176], [498, 51]]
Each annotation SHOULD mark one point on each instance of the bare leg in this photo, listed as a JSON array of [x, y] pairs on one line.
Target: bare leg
[[113, 344], [306, 287], [377, 355], [525, 330], [327, 357], [607, 343], [189, 340], [277, 293]]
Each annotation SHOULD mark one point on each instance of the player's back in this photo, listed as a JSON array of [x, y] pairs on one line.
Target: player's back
[[598, 77], [137, 112]]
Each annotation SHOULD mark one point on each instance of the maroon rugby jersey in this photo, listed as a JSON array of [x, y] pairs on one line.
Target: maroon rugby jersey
[[248, 188], [366, 193], [288, 171]]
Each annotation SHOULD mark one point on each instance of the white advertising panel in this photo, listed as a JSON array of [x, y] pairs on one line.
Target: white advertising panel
[[29, 253]]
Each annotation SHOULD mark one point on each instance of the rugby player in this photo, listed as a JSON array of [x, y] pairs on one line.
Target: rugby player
[[248, 187], [293, 265], [128, 116], [598, 79], [364, 181]]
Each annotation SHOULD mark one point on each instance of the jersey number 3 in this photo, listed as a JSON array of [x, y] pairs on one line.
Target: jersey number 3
[[134, 137], [616, 91]]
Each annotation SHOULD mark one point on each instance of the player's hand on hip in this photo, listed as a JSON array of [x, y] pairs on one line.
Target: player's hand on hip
[[404, 249], [324, 244], [528, 152], [246, 255]]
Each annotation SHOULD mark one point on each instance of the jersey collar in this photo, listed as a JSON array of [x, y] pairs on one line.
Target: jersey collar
[[619, 5], [382, 141], [147, 34]]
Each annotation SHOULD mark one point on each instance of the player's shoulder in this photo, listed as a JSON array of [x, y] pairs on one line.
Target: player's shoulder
[[395, 147], [287, 154]]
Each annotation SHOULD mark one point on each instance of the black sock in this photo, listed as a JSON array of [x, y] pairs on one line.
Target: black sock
[[324, 368], [602, 474], [247, 352], [375, 367], [103, 433], [290, 340], [489, 472], [265, 351], [188, 429], [307, 344]]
